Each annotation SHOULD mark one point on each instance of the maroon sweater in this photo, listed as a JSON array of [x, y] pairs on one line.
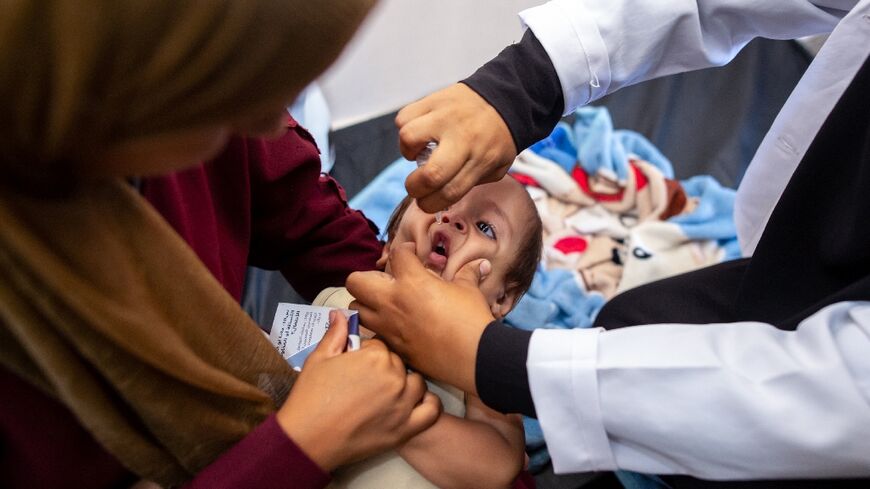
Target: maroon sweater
[[262, 203]]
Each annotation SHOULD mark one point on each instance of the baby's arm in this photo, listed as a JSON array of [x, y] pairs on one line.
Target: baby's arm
[[485, 449]]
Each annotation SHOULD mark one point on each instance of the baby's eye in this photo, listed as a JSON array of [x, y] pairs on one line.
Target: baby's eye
[[487, 229]]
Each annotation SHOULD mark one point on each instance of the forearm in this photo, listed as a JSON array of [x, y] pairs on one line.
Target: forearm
[[719, 401], [500, 376], [340, 242], [448, 454], [523, 87], [301, 223], [575, 52], [265, 458]]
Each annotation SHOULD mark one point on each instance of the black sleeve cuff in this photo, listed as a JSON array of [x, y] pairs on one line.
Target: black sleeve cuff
[[500, 373], [522, 85]]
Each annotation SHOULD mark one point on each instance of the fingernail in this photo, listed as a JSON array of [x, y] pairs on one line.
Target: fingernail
[[485, 268], [332, 314]]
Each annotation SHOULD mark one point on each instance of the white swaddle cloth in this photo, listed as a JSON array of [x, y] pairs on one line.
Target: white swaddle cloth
[[387, 470]]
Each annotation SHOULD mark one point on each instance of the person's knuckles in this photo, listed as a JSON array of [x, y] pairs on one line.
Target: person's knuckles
[[356, 284], [408, 135], [444, 119], [413, 110], [433, 176], [381, 366], [390, 365], [432, 203], [374, 346], [456, 189], [404, 115], [396, 362], [431, 406], [416, 379], [416, 385], [493, 156], [407, 151], [393, 385]]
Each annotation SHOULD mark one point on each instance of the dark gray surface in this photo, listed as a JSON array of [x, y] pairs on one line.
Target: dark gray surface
[[363, 150], [712, 121]]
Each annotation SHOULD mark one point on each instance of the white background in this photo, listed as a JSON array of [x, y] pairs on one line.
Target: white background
[[409, 48]]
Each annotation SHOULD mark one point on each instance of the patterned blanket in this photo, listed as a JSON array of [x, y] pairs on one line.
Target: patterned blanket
[[614, 217]]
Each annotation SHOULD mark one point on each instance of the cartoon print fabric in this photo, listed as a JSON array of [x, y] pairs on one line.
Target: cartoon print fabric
[[614, 220]]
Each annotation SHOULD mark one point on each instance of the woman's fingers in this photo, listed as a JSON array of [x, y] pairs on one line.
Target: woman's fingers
[[335, 339], [348, 406], [368, 288], [474, 145], [424, 415]]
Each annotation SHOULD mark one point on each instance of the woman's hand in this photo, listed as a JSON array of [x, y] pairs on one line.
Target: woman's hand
[[347, 406], [474, 145], [435, 325]]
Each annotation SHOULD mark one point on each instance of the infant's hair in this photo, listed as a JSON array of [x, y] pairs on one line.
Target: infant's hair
[[521, 272]]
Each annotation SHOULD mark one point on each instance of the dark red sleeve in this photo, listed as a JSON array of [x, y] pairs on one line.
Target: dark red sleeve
[[301, 223], [43, 445], [266, 458]]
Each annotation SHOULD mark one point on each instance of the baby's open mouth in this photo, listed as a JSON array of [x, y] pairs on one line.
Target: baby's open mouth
[[437, 258]]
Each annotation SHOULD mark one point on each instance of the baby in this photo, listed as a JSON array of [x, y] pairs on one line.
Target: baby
[[470, 445]]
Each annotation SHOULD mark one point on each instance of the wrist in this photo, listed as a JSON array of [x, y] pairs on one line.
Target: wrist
[[522, 85], [501, 377], [459, 370], [318, 445]]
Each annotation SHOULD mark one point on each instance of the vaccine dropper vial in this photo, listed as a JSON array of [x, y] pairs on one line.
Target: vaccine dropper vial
[[422, 158]]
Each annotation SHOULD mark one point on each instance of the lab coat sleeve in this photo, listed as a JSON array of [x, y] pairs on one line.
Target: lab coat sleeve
[[722, 401], [598, 47]]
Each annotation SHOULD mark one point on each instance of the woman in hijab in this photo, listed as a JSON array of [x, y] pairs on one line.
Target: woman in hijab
[[121, 357]]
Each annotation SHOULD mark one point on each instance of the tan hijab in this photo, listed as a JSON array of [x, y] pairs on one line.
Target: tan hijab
[[102, 305], [112, 314]]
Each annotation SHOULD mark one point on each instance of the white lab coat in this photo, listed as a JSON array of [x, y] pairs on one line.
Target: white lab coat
[[724, 401]]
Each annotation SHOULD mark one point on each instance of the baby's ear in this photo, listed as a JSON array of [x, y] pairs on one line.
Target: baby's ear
[[385, 253], [505, 302]]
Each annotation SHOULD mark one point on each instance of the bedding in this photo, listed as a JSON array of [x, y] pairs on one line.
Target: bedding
[[614, 217]]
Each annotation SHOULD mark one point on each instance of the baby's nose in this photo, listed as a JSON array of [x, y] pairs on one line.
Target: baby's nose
[[445, 219]]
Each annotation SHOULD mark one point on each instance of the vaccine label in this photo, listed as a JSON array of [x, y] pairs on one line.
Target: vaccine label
[[297, 328]]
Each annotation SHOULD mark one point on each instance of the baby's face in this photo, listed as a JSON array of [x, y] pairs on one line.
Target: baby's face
[[488, 222]]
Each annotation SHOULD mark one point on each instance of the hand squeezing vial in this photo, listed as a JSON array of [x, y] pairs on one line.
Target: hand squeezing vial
[[422, 158]]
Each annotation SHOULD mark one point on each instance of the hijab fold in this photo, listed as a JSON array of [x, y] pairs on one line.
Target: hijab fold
[[104, 307]]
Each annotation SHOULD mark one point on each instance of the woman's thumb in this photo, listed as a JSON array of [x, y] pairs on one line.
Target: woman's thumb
[[335, 339], [473, 273]]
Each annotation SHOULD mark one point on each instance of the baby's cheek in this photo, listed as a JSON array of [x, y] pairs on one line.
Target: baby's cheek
[[492, 285]]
